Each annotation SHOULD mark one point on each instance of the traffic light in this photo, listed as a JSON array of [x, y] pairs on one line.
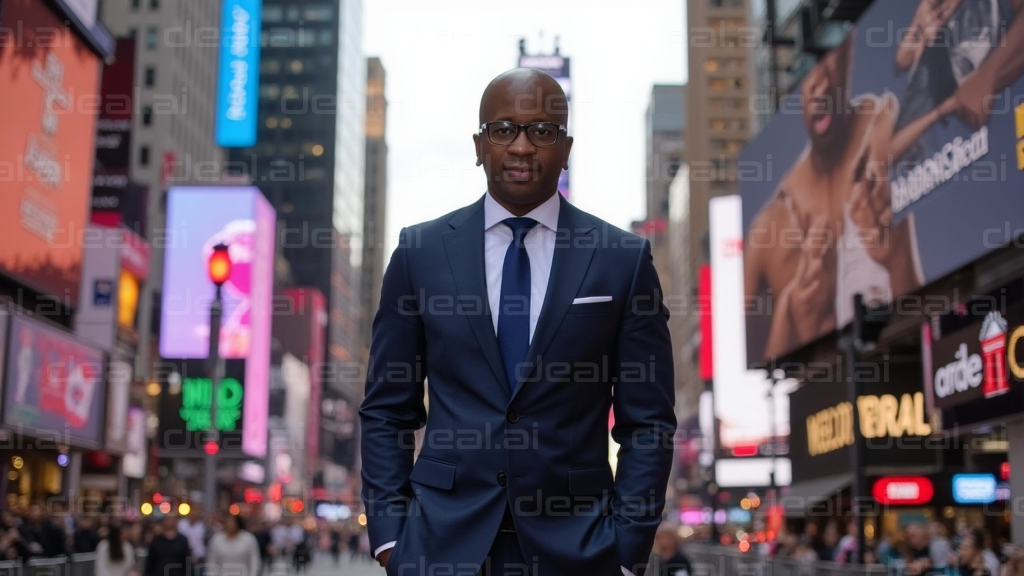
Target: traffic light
[[868, 322], [211, 448]]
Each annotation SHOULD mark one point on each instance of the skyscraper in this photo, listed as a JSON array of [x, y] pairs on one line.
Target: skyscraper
[[172, 134], [309, 162], [375, 197]]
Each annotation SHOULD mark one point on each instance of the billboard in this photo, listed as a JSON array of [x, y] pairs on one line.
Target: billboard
[[558, 67], [239, 73], [973, 358], [198, 218], [742, 398], [897, 160], [54, 385], [114, 127], [134, 463], [48, 114]]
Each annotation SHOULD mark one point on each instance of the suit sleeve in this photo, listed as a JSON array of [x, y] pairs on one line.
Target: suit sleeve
[[393, 406], [645, 421]]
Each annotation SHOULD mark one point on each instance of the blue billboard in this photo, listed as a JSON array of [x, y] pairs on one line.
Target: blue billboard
[[239, 73]]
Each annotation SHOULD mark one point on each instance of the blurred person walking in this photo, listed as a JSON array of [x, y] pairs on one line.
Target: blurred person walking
[[114, 555], [169, 552], [667, 558], [86, 537], [195, 530], [42, 536], [917, 553], [939, 547], [233, 551]]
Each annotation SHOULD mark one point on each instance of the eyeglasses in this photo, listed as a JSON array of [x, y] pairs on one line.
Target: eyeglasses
[[503, 133]]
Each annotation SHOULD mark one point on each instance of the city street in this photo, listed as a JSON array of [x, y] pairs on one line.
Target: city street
[[323, 566]]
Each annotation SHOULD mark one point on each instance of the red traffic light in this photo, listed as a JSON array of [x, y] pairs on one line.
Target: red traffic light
[[211, 448], [219, 265]]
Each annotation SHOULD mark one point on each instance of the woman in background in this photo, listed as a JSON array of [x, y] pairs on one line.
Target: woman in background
[[114, 555]]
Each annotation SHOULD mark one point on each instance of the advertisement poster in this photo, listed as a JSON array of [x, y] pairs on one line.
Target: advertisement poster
[[198, 219], [975, 357], [558, 67], [897, 160], [48, 113], [55, 387], [238, 77], [134, 463]]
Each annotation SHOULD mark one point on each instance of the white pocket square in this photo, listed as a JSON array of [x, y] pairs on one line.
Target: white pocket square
[[592, 299]]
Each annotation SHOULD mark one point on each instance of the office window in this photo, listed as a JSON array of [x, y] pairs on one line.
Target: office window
[[318, 13], [719, 124], [150, 77], [270, 91], [147, 115], [711, 65], [136, 4], [326, 37], [154, 4], [294, 14], [273, 13], [152, 37], [306, 38], [717, 84], [296, 66], [133, 33], [144, 156], [270, 66]]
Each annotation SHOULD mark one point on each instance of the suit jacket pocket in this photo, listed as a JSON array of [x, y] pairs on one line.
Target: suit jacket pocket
[[594, 480], [435, 473], [593, 307]]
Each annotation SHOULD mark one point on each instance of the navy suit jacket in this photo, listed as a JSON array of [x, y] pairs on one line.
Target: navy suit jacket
[[542, 449]]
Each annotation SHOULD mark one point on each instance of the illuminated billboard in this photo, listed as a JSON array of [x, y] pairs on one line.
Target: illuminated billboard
[[50, 81], [742, 398], [198, 218], [239, 73], [558, 67], [896, 161], [55, 387]]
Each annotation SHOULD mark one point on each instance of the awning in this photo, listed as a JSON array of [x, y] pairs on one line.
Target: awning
[[813, 493]]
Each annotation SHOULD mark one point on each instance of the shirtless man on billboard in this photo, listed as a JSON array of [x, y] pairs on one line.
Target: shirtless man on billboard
[[827, 232]]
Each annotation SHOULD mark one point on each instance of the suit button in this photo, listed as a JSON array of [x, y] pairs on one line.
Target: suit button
[[512, 416], [502, 479]]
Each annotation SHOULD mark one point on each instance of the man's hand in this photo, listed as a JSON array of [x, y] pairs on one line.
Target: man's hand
[[384, 557]]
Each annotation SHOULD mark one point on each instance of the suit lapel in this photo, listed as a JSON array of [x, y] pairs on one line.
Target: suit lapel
[[575, 242], [464, 245]]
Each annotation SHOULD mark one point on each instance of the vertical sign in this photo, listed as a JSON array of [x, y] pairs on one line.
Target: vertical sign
[[238, 79]]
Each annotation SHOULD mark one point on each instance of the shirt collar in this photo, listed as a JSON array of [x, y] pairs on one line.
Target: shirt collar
[[546, 214]]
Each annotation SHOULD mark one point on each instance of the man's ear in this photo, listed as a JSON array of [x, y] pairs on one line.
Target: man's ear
[[568, 147], [479, 152]]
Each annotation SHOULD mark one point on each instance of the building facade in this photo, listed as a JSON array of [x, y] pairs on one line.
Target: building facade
[[375, 197]]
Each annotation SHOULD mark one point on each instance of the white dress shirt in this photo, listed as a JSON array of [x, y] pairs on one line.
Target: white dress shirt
[[540, 247]]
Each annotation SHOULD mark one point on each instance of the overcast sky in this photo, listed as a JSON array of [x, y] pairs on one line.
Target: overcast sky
[[440, 54]]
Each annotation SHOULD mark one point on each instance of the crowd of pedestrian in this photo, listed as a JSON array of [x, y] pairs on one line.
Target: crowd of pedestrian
[[173, 545], [917, 549]]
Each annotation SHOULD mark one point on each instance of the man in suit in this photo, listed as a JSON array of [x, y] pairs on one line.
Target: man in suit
[[530, 320]]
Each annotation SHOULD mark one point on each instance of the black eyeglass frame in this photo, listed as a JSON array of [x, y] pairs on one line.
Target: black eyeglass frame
[[518, 127]]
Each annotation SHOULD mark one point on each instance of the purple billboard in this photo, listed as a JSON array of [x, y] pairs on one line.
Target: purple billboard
[[199, 218]]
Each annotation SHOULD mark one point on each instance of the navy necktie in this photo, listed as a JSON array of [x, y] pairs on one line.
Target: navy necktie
[[514, 310]]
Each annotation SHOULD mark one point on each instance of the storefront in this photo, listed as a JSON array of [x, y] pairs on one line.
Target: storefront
[[54, 401], [891, 434]]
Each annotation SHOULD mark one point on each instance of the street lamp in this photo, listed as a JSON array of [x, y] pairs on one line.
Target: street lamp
[[219, 269]]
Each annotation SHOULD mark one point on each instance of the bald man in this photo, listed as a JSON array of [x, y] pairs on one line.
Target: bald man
[[531, 320]]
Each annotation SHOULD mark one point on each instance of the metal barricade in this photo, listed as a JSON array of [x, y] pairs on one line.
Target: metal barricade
[[74, 565], [722, 561]]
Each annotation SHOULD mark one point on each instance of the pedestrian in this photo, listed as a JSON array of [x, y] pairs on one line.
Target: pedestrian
[[667, 558], [42, 536], [939, 547], [194, 530], [531, 319], [86, 537], [114, 555], [169, 552], [233, 551]]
